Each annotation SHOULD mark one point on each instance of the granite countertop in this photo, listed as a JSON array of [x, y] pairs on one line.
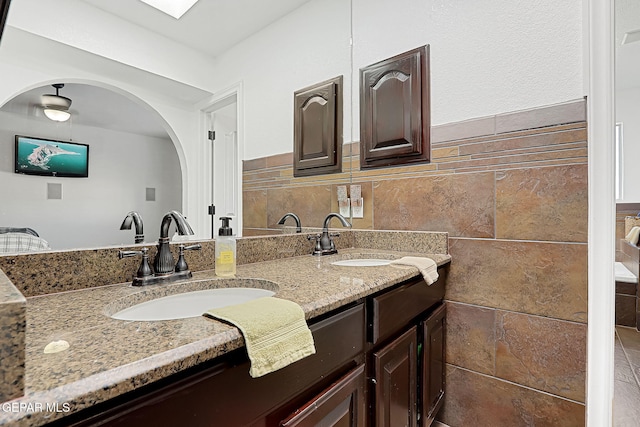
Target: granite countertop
[[108, 357]]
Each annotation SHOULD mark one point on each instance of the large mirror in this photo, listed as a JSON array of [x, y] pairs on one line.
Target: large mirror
[[146, 89]]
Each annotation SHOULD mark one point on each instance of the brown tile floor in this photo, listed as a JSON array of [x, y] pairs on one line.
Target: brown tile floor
[[626, 402]]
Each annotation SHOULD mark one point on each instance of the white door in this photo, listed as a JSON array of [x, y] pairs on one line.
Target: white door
[[226, 173]]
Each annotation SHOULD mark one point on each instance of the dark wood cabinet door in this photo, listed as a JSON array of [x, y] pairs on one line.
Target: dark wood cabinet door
[[396, 375], [395, 110], [341, 405], [317, 146], [433, 380]]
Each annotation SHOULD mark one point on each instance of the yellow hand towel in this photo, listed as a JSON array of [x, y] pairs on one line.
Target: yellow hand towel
[[427, 267], [633, 235], [274, 329]]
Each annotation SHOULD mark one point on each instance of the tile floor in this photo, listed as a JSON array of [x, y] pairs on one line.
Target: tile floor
[[626, 402]]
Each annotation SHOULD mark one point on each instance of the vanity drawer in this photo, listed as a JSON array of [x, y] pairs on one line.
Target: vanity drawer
[[391, 311]]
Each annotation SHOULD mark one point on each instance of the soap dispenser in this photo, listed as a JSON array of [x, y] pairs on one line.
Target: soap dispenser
[[225, 250]]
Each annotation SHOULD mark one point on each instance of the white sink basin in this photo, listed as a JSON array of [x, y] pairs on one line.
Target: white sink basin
[[189, 304], [363, 262]]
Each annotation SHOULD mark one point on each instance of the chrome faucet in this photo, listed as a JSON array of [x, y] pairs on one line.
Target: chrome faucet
[[324, 242], [164, 269], [295, 218], [134, 218]]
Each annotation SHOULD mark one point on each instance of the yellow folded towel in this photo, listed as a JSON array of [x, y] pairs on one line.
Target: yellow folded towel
[[427, 267], [633, 235], [275, 332]]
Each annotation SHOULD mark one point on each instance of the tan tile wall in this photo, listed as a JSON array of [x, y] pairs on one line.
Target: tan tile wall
[[511, 191]]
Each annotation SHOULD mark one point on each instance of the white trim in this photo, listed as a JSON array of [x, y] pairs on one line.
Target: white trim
[[601, 243]]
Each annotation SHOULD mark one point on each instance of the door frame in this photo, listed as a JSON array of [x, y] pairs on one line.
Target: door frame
[[599, 20], [218, 100]]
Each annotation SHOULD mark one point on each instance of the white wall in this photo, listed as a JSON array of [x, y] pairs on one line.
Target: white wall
[[487, 56], [82, 26], [306, 47], [121, 167], [627, 112]]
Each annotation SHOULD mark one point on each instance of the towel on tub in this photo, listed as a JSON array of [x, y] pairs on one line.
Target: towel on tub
[[427, 267], [275, 332]]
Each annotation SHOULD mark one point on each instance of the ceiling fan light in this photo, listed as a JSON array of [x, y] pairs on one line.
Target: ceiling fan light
[[55, 101], [57, 115], [56, 107]]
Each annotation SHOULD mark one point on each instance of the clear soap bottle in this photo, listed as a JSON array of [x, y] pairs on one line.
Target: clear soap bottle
[[225, 250]]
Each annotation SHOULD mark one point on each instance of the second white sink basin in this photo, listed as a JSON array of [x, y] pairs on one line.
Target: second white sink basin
[[363, 262], [189, 304]]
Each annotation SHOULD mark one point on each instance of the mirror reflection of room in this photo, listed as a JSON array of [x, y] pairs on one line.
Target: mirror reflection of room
[[130, 165], [121, 105]]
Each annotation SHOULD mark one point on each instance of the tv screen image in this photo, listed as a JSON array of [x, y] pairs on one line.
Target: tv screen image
[[47, 157]]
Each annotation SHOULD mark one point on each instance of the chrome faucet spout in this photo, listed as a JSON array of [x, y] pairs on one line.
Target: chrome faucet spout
[[295, 218], [134, 218]]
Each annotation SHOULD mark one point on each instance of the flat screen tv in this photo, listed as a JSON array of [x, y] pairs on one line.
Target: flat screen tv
[[47, 157]]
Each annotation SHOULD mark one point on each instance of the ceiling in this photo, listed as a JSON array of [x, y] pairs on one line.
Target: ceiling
[[210, 27], [93, 106]]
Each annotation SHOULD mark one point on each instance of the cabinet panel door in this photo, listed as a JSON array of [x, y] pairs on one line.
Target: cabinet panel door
[[394, 110], [317, 147], [341, 405], [396, 375], [433, 365]]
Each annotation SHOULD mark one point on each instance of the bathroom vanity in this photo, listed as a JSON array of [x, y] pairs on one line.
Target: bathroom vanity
[[378, 361], [379, 334]]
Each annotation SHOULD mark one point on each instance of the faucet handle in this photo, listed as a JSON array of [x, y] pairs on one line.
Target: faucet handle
[[181, 265], [144, 269], [317, 250]]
